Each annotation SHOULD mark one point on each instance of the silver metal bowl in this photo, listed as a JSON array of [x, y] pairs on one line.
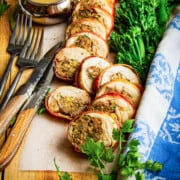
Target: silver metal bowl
[[47, 12]]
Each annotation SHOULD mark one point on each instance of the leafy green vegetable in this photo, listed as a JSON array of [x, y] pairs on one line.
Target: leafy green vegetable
[[65, 176], [98, 155], [128, 158], [129, 162], [138, 29], [42, 108], [13, 121], [3, 7]]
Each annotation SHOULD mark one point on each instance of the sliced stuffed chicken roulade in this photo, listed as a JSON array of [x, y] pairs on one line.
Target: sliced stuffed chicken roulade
[[90, 41], [117, 71], [67, 62], [66, 102], [115, 104], [96, 125], [89, 69]]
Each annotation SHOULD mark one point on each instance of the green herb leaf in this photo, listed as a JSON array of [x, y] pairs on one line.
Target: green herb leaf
[[139, 176], [98, 154], [153, 166], [13, 121], [3, 7], [105, 177], [42, 108], [129, 158], [128, 126], [128, 162], [65, 176], [133, 145], [93, 148], [108, 155]]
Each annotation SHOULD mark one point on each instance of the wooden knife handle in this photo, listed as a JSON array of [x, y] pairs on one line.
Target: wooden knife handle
[[16, 136], [10, 111]]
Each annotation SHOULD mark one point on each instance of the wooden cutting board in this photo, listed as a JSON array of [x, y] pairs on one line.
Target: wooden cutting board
[[11, 172]]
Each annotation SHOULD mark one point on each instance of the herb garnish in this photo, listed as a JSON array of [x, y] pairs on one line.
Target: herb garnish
[[3, 7], [128, 158], [138, 29], [98, 155], [64, 176], [42, 107], [129, 162]]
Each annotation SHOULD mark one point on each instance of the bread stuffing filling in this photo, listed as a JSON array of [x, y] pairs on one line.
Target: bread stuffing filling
[[120, 113], [88, 13], [88, 3], [118, 75], [105, 106], [67, 67], [77, 28], [87, 43], [86, 126], [93, 71], [123, 91], [67, 105]]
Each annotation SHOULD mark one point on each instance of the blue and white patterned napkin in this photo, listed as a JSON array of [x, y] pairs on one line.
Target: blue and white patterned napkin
[[158, 117]]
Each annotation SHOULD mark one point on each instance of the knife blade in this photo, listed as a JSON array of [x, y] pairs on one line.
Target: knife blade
[[25, 118], [26, 90]]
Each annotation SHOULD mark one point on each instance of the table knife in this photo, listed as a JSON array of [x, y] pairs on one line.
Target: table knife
[[24, 118], [26, 90]]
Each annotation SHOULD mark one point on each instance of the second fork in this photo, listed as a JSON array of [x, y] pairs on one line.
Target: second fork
[[28, 58], [16, 43]]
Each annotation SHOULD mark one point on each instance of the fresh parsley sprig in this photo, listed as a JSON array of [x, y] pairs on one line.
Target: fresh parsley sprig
[[42, 107], [98, 155], [65, 176], [3, 7], [128, 157], [130, 163]]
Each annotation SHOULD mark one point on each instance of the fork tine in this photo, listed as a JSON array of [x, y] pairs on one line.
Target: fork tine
[[24, 29], [27, 27], [13, 47], [39, 39], [18, 40], [32, 49], [21, 30], [40, 46], [27, 44], [13, 37]]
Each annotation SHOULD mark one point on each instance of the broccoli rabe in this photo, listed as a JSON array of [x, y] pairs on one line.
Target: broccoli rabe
[[138, 28]]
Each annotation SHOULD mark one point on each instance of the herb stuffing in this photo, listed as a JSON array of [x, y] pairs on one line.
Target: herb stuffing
[[138, 29]]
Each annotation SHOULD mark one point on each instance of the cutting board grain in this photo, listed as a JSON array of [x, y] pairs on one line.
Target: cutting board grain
[[11, 172]]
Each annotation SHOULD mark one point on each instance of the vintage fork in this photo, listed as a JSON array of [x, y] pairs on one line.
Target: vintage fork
[[16, 43], [28, 58]]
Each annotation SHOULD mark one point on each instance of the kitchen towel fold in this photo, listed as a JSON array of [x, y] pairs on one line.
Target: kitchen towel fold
[[157, 125]]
